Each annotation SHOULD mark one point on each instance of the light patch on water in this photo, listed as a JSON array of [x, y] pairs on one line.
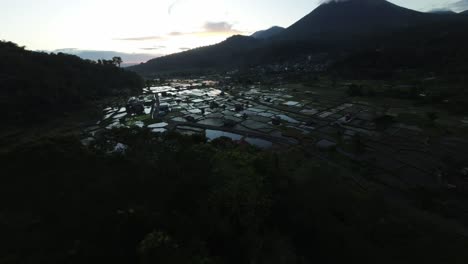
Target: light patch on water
[[108, 115], [288, 119], [257, 110], [216, 122], [120, 116], [139, 124], [309, 111], [214, 134], [114, 125], [161, 89], [266, 114], [195, 111], [214, 92], [292, 103], [159, 130], [308, 128], [179, 119], [158, 125]]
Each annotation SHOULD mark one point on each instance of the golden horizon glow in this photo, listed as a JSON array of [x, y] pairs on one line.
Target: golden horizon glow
[[154, 27]]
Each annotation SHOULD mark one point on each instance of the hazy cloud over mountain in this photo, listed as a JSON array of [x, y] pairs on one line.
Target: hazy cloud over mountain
[[219, 27], [459, 6]]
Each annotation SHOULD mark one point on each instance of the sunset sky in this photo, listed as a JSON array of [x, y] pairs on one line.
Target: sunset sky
[[153, 26]]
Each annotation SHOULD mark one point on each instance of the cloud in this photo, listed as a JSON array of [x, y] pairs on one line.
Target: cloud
[[459, 6], [184, 49], [154, 48], [65, 50], [144, 38], [210, 28]]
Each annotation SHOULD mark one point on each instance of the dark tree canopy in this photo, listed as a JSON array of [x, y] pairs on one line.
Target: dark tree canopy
[[34, 85]]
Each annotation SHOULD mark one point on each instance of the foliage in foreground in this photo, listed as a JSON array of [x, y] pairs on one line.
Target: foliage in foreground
[[182, 200]]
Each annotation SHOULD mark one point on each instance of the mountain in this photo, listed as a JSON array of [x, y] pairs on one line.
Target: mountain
[[340, 19], [266, 34], [226, 54], [464, 12]]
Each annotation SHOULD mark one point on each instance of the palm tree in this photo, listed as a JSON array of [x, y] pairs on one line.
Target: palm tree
[[117, 61]]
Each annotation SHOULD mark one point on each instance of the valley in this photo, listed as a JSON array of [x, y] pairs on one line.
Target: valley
[[398, 142]]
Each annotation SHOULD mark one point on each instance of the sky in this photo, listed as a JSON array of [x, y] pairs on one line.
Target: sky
[[153, 27]]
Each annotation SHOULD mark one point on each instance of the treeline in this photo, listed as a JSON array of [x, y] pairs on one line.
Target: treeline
[[36, 86]]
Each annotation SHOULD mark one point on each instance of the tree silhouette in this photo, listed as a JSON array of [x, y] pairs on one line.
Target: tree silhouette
[[117, 61]]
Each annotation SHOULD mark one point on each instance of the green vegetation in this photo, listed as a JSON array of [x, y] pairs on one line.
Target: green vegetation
[[179, 199], [36, 86]]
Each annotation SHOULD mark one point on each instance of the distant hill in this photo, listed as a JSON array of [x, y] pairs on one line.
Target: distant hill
[[226, 54], [464, 12], [37, 86], [266, 34]]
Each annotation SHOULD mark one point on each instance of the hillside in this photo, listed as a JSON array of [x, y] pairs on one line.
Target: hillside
[[226, 54], [266, 34], [54, 83]]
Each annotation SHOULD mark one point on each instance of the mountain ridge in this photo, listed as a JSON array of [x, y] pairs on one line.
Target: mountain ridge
[[268, 33], [352, 17], [213, 56]]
